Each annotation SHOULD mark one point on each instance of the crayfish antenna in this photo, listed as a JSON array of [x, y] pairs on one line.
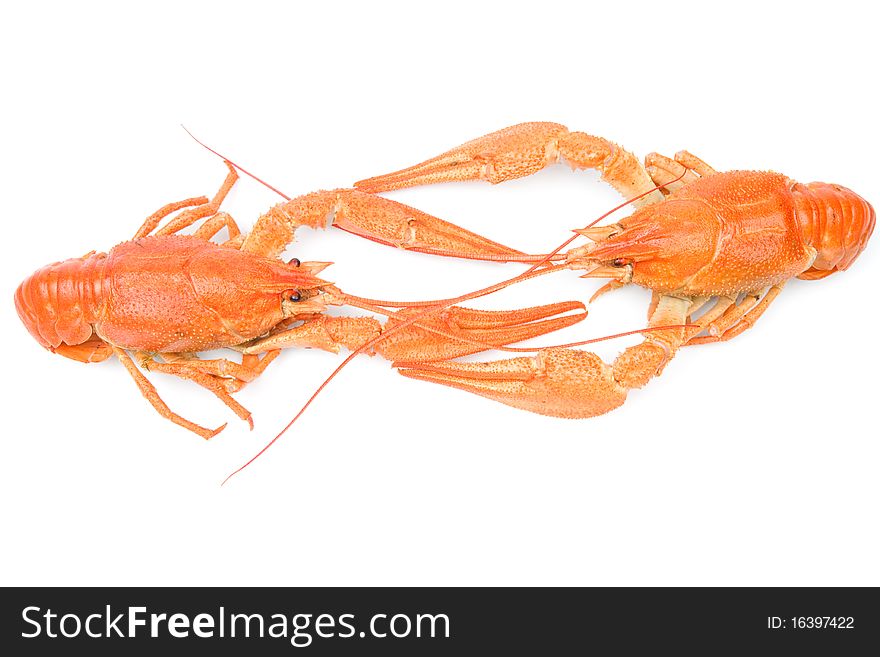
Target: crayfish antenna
[[339, 368], [240, 168]]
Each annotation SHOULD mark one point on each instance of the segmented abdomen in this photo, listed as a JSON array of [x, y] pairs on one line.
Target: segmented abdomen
[[835, 221], [59, 302]]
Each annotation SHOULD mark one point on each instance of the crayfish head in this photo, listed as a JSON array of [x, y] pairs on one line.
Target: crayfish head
[[251, 294], [660, 246], [313, 294]]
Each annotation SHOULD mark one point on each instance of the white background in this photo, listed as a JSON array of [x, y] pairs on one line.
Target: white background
[[752, 462]]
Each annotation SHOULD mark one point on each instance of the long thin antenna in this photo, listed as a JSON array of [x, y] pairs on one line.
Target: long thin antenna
[[237, 166]]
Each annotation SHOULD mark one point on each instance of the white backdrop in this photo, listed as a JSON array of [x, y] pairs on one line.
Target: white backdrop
[[751, 462]]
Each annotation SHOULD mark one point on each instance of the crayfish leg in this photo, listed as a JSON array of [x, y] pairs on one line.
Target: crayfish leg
[[214, 384], [674, 173], [215, 224], [199, 207], [735, 318], [189, 217], [694, 163], [150, 394], [151, 222], [234, 375]]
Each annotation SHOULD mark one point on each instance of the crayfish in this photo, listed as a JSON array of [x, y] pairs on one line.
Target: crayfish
[[164, 296], [721, 243]]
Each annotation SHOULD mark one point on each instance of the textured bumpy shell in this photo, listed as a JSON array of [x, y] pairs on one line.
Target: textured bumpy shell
[[836, 221], [159, 294], [59, 302], [740, 231]]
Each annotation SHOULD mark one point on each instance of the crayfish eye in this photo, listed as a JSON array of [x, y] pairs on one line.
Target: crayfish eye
[[292, 295], [294, 262], [620, 262]]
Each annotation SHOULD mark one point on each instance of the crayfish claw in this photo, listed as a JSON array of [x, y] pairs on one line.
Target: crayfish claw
[[558, 382], [462, 331], [513, 152]]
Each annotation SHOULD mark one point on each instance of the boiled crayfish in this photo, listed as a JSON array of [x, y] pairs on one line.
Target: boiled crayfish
[[697, 237], [165, 296]]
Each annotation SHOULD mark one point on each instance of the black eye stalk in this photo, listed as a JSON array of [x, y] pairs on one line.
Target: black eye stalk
[[292, 295]]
